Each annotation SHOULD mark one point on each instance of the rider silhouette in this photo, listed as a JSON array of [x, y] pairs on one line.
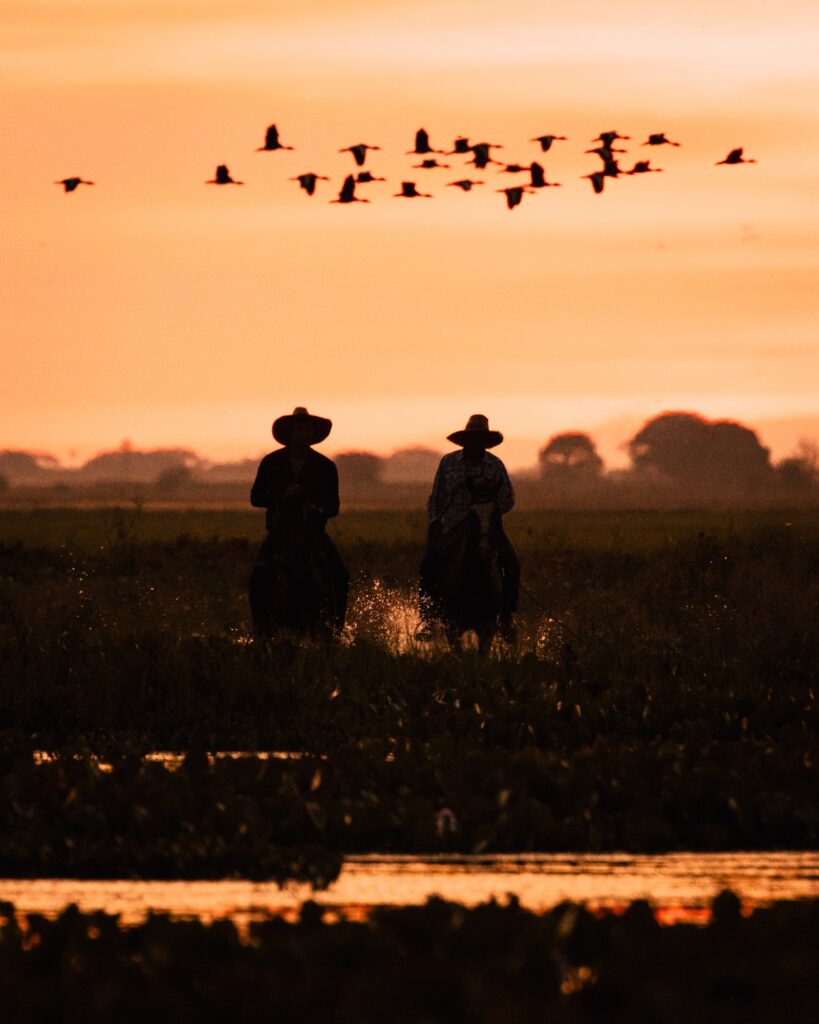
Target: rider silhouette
[[465, 478], [296, 483]]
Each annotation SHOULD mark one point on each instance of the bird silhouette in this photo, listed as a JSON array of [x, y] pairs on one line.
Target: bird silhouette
[[422, 144], [659, 139], [359, 151], [607, 138], [480, 154], [642, 167], [606, 153], [223, 177], [363, 177], [428, 165], [538, 176], [308, 181], [597, 178], [409, 191], [547, 140], [514, 195], [347, 193], [460, 145], [735, 157], [465, 184], [514, 168], [69, 184], [271, 141]]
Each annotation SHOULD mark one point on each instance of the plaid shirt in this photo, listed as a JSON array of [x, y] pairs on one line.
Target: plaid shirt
[[456, 484]]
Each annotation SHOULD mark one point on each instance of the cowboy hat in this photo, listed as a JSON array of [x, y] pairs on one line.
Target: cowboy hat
[[283, 426], [477, 428]]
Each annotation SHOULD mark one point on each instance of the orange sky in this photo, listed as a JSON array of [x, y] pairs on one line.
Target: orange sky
[[155, 308]]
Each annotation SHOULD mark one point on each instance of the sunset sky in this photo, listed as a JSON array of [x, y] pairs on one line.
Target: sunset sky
[[155, 308]]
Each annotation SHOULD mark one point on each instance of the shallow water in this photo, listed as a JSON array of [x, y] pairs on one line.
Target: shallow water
[[680, 886]]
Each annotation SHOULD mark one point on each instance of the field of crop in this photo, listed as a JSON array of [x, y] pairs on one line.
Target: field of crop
[[662, 696]]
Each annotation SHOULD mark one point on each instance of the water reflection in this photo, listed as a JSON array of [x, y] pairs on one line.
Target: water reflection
[[680, 885]]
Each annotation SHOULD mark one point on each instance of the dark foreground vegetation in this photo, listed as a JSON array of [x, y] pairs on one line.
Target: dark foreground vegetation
[[662, 697], [438, 962]]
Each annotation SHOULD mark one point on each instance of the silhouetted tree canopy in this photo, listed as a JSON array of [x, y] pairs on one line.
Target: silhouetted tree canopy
[[242, 471], [16, 464], [412, 465], [690, 449], [359, 468], [127, 463], [173, 478], [570, 456], [800, 472]]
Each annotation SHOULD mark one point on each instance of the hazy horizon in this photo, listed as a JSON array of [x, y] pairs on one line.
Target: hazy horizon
[[156, 308]]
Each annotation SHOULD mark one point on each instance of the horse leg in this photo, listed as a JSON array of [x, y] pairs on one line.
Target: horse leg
[[260, 592], [486, 637]]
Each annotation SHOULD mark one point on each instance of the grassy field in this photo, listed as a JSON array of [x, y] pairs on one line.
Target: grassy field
[[662, 695]]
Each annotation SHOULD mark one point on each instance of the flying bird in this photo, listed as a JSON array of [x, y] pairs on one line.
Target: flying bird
[[514, 195], [735, 157], [597, 178], [347, 193], [409, 191], [547, 140], [610, 166], [659, 139], [271, 141], [223, 177], [359, 151], [428, 165], [642, 167], [460, 145], [363, 177], [69, 184], [538, 176], [308, 181], [465, 184], [422, 144], [514, 168], [607, 138], [480, 154]]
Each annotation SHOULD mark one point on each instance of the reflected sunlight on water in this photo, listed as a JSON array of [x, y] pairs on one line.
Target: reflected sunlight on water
[[679, 885]]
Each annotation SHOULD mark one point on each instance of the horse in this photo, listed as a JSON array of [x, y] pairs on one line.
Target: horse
[[471, 582], [292, 585]]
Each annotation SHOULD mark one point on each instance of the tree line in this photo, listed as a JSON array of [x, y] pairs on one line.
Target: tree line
[[680, 451]]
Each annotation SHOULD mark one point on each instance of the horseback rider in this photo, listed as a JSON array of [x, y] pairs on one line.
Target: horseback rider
[[297, 486], [465, 478]]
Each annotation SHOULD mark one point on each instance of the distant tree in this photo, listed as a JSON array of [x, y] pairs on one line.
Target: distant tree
[[242, 471], [689, 449], [359, 468], [127, 463], [411, 465], [23, 466], [4, 483], [800, 472], [173, 479], [570, 456]]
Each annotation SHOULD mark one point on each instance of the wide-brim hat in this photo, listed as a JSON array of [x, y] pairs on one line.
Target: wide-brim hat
[[283, 426], [477, 429]]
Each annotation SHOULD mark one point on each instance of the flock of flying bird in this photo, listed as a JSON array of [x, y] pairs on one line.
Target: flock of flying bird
[[481, 153]]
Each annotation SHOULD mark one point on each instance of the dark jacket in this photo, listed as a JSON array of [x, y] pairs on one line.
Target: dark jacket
[[318, 479]]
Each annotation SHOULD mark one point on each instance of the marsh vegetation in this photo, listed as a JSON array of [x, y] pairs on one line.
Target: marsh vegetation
[[661, 697]]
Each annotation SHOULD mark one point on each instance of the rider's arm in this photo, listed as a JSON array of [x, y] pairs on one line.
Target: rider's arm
[[435, 501], [506, 493], [329, 491], [261, 491]]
